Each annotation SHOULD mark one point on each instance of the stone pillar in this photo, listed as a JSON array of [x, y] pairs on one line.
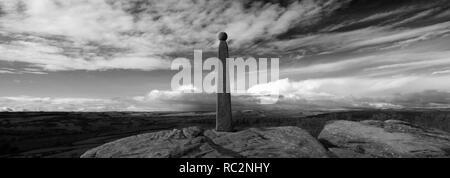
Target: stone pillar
[[223, 107]]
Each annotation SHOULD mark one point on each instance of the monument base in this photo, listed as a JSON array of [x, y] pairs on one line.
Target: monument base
[[224, 122]]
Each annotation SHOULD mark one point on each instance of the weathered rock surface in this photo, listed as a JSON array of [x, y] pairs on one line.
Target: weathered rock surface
[[194, 142], [388, 139]]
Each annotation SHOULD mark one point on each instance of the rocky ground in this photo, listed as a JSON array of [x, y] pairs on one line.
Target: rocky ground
[[341, 139], [388, 139], [193, 142], [70, 134]]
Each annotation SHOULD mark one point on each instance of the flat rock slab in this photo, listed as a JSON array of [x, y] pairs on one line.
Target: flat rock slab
[[388, 139], [194, 142]]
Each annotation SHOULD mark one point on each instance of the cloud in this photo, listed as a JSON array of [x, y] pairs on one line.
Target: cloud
[[320, 94], [422, 60], [49, 58], [331, 93], [441, 72], [308, 89], [81, 20], [400, 92], [6, 72], [28, 103], [77, 34], [363, 39], [60, 35], [428, 98]]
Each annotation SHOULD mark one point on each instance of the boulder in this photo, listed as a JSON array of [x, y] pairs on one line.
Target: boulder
[[388, 139], [194, 142]]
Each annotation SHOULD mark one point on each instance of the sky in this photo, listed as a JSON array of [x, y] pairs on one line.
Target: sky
[[115, 55]]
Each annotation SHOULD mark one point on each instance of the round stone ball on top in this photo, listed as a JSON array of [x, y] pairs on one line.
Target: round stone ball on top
[[223, 36]]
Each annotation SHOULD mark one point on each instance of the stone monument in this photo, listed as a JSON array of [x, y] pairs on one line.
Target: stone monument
[[223, 107]]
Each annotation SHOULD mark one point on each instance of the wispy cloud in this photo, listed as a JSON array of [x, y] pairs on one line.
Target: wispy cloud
[[28, 103], [48, 33], [441, 72]]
